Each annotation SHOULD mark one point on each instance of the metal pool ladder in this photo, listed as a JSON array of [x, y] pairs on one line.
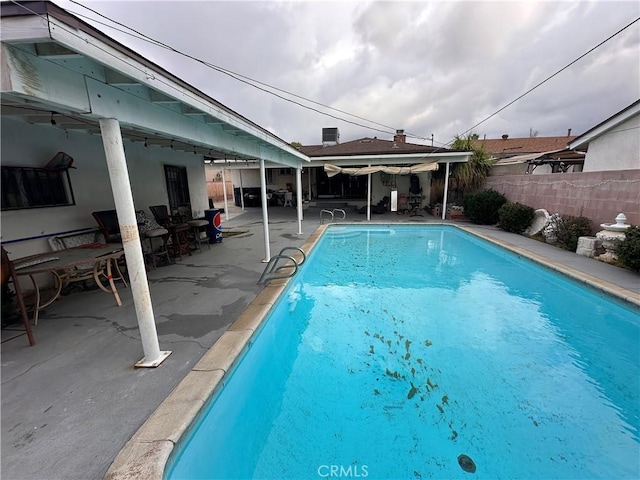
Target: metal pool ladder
[[272, 268], [332, 213]]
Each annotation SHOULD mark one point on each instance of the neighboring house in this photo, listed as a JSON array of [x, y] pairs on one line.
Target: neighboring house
[[134, 135], [608, 183], [532, 154], [613, 144]]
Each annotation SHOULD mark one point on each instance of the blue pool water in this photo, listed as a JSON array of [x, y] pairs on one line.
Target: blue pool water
[[395, 350]]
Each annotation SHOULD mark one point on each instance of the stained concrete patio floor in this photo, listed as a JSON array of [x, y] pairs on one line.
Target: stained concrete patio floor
[[71, 402]]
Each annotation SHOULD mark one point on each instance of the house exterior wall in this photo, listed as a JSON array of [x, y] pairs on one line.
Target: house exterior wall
[[599, 196], [251, 178], [24, 144], [617, 149]]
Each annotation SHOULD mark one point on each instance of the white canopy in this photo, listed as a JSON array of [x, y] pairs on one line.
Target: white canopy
[[333, 170]]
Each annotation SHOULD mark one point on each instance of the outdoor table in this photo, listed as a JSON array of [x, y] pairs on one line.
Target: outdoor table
[[95, 261]]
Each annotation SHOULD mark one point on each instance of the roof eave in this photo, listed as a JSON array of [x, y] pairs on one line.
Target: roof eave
[[392, 159], [603, 127], [76, 35]]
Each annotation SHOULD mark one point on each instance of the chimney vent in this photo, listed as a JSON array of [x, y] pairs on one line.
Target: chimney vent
[[505, 136], [400, 137], [569, 133]]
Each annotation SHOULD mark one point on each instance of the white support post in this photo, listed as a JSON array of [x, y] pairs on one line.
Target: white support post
[[224, 192], [123, 198], [299, 197], [265, 214], [241, 192], [446, 191], [369, 197]]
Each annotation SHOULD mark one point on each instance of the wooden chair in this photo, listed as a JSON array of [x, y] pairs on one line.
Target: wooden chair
[[9, 274], [108, 222], [178, 231], [198, 226]]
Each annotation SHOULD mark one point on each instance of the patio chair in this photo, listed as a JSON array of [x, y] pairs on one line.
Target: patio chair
[[9, 274], [178, 231], [108, 222], [197, 225], [149, 228]]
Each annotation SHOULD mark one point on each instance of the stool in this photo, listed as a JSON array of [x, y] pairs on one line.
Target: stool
[[162, 233], [197, 228], [179, 240]]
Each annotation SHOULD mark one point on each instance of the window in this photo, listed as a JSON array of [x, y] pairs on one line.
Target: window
[[286, 171], [30, 187], [177, 187], [269, 176]]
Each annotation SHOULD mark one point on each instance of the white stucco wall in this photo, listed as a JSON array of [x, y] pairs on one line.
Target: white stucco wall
[[24, 144], [617, 149]]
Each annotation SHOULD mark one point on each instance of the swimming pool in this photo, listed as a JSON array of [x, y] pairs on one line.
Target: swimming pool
[[419, 352]]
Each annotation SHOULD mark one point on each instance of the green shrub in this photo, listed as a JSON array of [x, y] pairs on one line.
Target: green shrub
[[564, 230], [515, 217], [628, 251], [482, 207]]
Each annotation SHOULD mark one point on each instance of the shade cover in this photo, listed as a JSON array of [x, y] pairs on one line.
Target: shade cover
[[333, 170]]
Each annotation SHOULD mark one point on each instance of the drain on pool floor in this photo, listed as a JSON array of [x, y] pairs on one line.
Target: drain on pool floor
[[467, 463]]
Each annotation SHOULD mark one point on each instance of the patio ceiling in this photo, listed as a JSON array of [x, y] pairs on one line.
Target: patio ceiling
[[60, 72]]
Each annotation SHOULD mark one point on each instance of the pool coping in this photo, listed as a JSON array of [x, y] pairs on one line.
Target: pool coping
[[146, 454]]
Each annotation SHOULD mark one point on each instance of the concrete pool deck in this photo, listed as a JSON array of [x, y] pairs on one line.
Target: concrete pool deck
[[72, 402]]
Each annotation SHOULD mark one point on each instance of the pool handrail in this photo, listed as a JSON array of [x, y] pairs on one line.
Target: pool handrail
[[332, 213], [270, 271]]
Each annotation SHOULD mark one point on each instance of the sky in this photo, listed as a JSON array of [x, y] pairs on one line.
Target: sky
[[429, 68]]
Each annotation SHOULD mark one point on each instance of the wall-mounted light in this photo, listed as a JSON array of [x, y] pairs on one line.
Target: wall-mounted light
[[53, 122], [171, 145], [145, 142]]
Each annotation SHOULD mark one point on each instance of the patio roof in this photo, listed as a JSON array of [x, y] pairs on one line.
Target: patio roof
[[57, 68]]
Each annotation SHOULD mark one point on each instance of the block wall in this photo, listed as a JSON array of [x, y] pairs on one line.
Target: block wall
[[599, 196]]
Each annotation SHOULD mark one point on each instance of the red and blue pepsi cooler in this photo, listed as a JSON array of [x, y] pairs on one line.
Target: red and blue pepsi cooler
[[214, 227]]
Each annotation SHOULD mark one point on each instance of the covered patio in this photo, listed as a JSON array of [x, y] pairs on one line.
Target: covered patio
[[136, 135]]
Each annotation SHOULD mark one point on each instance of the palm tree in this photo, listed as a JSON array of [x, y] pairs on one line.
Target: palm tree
[[469, 176]]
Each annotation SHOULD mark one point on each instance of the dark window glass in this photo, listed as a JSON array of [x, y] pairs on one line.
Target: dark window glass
[[28, 187]]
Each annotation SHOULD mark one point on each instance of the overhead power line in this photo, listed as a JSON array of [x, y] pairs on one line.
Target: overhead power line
[[253, 82], [242, 78], [550, 77], [256, 83]]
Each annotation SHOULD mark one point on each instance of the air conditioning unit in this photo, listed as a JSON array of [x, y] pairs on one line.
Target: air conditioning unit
[[330, 136]]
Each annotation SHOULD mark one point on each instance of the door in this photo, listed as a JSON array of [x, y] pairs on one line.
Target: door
[[177, 187]]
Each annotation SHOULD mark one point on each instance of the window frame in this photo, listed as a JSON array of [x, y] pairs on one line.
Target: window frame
[[25, 188]]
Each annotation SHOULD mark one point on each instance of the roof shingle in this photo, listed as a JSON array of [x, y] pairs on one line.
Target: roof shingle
[[520, 146], [368, 146]]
